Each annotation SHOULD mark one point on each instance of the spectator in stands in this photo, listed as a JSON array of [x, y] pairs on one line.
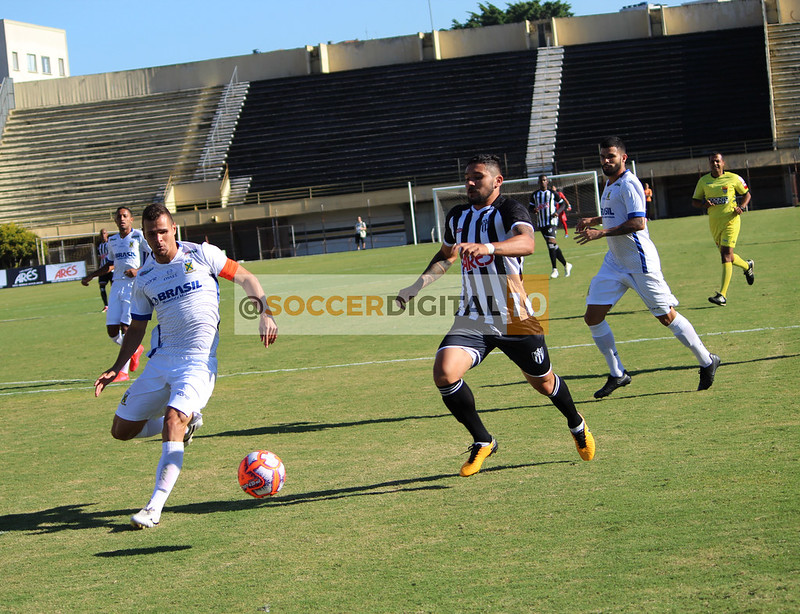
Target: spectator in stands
[[126, 253], [562, 206], [361, 234], [716, 192], [632, 261], [104, 280], [648, 198], [544, 213]]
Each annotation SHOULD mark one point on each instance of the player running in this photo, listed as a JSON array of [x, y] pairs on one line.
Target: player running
[[632, 261], [716, 192], [544, 212], [126, 253], [491, 235], [180, 283]]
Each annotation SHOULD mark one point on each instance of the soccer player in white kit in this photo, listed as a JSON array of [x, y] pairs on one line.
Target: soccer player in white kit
[[632, 261], [126, 253], [180, 283]]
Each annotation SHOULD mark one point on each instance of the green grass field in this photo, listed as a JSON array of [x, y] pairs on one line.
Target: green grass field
[[691, 503]]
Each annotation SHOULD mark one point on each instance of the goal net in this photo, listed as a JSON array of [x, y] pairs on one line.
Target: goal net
[[580, 189]]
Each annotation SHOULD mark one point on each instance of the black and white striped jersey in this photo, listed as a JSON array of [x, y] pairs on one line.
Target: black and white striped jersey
[[543, 207], [102, 251], [491, 285]]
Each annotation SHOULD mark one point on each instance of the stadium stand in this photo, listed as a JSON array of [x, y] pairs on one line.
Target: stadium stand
[[80, 162], [668, 97], [385, 125], [784, 51]]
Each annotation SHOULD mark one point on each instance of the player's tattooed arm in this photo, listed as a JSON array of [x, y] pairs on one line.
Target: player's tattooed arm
[[437, 267]]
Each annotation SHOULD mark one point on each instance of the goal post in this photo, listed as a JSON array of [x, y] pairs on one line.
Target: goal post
[[581, 189]]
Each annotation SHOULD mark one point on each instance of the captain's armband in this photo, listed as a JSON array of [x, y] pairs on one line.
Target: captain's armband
[[229, 270]]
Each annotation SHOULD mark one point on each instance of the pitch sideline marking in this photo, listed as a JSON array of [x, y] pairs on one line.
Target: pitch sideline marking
[[377, 362]]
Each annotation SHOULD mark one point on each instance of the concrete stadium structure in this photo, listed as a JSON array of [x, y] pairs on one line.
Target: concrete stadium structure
[[302, 141]]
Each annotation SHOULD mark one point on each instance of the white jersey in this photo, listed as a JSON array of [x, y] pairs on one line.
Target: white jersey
[[621, 201], [491, 285], [185, 293], [128, 252]]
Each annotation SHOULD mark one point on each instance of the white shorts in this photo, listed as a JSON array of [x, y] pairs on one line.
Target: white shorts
[[611, 283], [169, 381], [119, 303]]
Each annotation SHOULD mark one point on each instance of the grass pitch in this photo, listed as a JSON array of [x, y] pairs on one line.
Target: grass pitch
[[690, 504]]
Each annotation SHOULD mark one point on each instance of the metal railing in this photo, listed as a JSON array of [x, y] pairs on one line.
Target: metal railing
[[6, 101], [226, 106]]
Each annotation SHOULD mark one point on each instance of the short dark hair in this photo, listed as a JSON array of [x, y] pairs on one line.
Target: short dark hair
[[487, 160], [542, 177], [612, 141], [152, 212], [118, 209], [716, 153]]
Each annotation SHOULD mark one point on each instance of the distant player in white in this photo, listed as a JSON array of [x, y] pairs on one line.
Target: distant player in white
[[631, 262], [180, 283], [126, 252]]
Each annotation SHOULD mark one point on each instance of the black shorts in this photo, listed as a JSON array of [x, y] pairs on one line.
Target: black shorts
[[104, 279], [528, 352], [548, 232]]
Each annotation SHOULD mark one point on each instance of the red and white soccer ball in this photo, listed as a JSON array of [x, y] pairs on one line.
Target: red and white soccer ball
[[261, 474]]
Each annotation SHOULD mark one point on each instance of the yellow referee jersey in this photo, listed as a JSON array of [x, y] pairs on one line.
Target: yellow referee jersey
[[720, 192]]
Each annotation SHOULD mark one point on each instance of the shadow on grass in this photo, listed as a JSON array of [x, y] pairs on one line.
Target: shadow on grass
[[141, 551], [636, 372], [78, 516]]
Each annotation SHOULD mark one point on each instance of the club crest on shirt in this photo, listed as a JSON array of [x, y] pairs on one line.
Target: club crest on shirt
[[132, 243], [188, 267]]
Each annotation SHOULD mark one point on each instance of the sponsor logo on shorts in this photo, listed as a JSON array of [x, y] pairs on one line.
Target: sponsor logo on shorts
[[124, 400]]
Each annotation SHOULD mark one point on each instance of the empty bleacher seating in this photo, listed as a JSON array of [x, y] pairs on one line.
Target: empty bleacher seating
[[668, 97], [367, 126], [80, 162]]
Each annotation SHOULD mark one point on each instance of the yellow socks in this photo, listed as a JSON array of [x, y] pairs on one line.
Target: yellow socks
[[727, 273]]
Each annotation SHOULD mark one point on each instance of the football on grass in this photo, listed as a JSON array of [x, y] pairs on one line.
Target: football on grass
[[261, 474]]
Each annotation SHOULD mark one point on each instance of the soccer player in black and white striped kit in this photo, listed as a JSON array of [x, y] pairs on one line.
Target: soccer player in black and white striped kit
[[492, 234], [544, 211]]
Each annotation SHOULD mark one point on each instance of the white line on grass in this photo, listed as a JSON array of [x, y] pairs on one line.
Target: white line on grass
[[376, 362]]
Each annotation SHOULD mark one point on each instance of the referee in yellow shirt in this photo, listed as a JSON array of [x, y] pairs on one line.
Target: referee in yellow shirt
[[717, 193]]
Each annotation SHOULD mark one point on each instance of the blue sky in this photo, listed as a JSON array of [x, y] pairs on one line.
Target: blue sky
[[111, 35]]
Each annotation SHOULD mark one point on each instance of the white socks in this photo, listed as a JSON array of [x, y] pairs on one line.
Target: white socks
[[118, 341], [604, 340], [684, 331], [152, 427], [167, 472]]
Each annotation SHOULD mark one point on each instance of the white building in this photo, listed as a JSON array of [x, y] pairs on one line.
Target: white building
[[31, 53]]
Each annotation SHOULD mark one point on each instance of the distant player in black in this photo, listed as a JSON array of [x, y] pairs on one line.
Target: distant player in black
[[104, 280], [491, 235], [544, 212]]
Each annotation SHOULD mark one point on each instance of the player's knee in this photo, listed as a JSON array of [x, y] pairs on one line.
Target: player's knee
[[592, 319], [121, 433]]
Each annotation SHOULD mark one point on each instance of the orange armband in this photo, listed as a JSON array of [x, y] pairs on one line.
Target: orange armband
[[229, 270]]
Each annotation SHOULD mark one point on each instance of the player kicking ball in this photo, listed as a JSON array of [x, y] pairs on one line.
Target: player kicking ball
[[180, 283], [491, 235]]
